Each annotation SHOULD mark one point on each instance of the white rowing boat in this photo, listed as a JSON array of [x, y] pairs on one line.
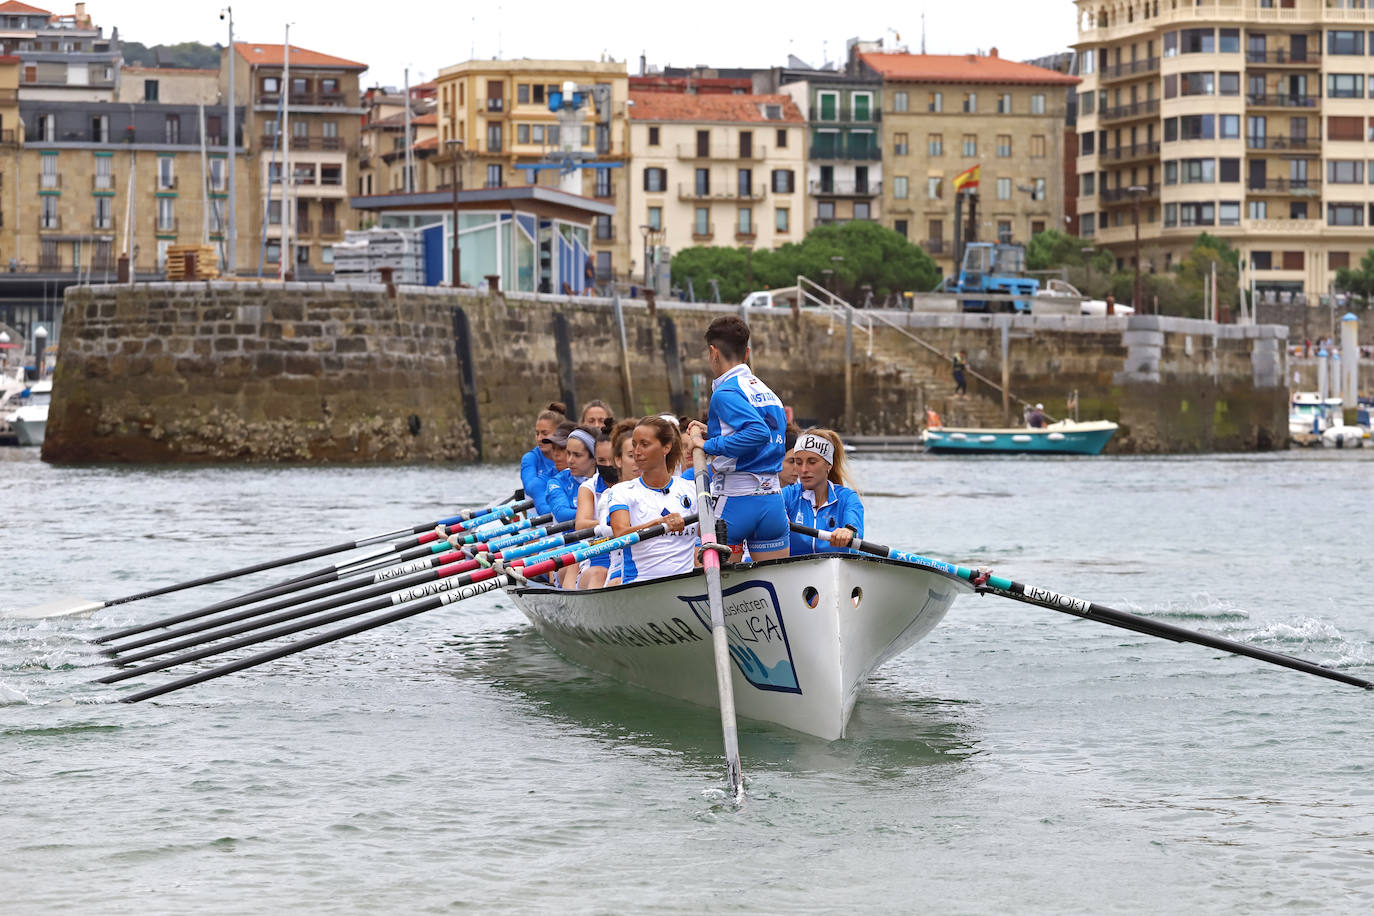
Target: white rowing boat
[[804, 632]]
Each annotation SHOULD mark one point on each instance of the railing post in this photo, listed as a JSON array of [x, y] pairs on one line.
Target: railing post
[[849, 370], [1005, 322]]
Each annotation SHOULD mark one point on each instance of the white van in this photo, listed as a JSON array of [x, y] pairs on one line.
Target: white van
[[767, 299]]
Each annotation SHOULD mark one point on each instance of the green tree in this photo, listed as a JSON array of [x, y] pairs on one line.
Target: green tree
[[1194, 273], [1358, 281], [1052, 248], [858, 254], [186, 54]]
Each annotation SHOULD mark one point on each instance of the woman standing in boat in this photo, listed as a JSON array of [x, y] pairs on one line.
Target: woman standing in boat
[[655, 497], [821, 498], [536, 467]]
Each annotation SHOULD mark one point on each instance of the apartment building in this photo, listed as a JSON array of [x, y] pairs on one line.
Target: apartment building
[[509, 138], [324, 110], [382, 151], [844, 170], [64, 57], [725, 170], [76, 207], [943, 114], [1247, 119]]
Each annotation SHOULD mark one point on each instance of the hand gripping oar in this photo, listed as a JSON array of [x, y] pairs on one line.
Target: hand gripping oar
[[710, 562], [424, 534], [436, 568], [1088, 610], [482, 581]]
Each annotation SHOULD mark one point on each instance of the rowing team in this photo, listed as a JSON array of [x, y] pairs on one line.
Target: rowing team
[[624, 476]]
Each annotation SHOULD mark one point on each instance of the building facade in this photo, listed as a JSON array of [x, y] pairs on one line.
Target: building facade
[[943, 114], [719, 170], [324, 111], [1248, 120], [62, 57], [844, 170], [509, 137]]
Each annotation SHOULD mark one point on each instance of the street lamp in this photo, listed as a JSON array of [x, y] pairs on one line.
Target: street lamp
[[455, 148], [1136, 191]]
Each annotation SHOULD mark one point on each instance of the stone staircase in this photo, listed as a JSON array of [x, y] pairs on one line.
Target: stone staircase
[[932, 375]]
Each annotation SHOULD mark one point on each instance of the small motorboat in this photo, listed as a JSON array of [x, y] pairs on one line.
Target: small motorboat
[[1066, 437], [804, 632], [30, 420]]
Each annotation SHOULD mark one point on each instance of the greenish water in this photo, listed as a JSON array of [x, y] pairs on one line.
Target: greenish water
[[1016, 761]]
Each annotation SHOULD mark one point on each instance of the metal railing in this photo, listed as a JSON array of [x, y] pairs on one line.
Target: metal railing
[[938, 246], [1303, 187], [698, 235], [845, 188], [331, 228], [1302, 58], [48, 223], [1112, 195], [691, 192], [727, 153], [1283, 143], [1133, 110], [1130, 68], [844, 116], [843, 151], [1132, 151], [164, 225], [1282, 100], [48, 181]]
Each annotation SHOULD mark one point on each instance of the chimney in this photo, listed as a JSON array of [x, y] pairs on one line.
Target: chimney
[[992, 52], [643, 64], [80, 12]]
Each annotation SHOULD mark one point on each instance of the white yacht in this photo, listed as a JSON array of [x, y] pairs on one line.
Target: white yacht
[[30, 421]]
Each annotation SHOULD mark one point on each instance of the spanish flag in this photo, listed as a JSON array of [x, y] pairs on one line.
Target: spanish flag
[[968, 178]]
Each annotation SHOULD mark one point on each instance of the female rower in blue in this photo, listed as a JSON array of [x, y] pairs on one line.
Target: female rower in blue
[[537, 465], [820, 497]]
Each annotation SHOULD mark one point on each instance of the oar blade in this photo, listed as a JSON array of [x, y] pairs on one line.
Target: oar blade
[[57, 607]]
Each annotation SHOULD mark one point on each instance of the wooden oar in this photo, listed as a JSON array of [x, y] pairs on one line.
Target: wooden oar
[[436, 569], [477, 582], [424, 534], [1088, 610], [710, 562]]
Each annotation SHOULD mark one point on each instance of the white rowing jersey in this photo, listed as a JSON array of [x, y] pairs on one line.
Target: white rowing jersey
[[667, 554]]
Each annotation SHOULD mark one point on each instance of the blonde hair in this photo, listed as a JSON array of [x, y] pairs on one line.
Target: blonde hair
[[839, 468]]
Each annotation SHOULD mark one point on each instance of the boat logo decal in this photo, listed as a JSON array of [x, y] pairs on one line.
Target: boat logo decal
[[756, 633], [1068, 602]]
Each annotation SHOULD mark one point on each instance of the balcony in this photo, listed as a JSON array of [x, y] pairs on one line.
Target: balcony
[[1116, 195], [304, 99], [1132, 151], [330, 228], [1286, 144], [167, 182], [1146, 109], [746, 235], [845, 188], [938, 246], [1295, 187], [603, 191], [726, 153], [301, 142], [8, 137], [1129, 69], [875, 115], [102, 182], [604, 233], [165, 226], [49, 223], [1282, 100], [303, 225], [1282, 58], [102, 222], [493, 106], [691, 192], [698, 235], [1281, 226], [49, 181], [865, 152]]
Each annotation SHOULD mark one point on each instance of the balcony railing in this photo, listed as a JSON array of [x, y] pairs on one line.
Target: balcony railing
[[605, 233], [320, 99], [167, 183], [603, 191], [844, 116], [1132, 151], [845, 188], [1113, 195], [699, 235], [1284, 143], [1130, 68], [1298, 187], [1301, 58], [8, 137], [102, 222], [746, 235], [1134, 110], [727, 153], [164, 225], [330, 228], [48, 223], [303, 225], [1282, 100], [691, 192], [102, 182], [938, 246], [49, 181], [865, 152]]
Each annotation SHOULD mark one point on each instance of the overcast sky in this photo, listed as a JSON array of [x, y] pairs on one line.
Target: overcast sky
[[427, 36]]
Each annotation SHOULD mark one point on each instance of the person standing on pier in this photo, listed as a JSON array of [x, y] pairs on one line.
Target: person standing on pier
[[960, 364], [744, 433]]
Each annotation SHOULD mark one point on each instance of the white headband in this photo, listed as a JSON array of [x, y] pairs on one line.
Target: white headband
[[809, 442], [586, 438]]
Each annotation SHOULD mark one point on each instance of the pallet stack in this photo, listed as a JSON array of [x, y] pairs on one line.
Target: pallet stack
[[206, 262], [363, 254]]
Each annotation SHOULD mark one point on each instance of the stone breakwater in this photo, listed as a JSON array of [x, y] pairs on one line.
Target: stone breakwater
[[212, 372]]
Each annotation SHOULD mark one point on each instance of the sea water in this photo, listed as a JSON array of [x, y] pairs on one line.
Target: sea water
[[1017, 760]]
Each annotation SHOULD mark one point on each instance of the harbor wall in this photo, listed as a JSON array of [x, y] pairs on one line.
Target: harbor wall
[[225, 371]]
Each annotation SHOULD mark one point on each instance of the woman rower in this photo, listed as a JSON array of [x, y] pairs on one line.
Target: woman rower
[[579, 447], [820, 498], [592, 504], [595, 413], [623, 449], [536, 467], [655, 497]]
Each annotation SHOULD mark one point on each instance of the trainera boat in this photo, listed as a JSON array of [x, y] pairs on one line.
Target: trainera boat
[[1063, 438], [804, 632]]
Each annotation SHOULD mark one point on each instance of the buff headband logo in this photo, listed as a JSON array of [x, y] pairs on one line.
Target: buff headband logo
[[817, 444]]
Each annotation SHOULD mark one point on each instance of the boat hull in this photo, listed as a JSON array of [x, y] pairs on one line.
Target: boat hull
[[1057, 439], [804, 632], [29, 429]]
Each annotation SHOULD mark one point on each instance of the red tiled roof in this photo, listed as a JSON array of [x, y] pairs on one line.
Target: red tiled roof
[[431, 118], [431, 143], [273, 56], [22, 9], [963, 68], [676, 106]]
